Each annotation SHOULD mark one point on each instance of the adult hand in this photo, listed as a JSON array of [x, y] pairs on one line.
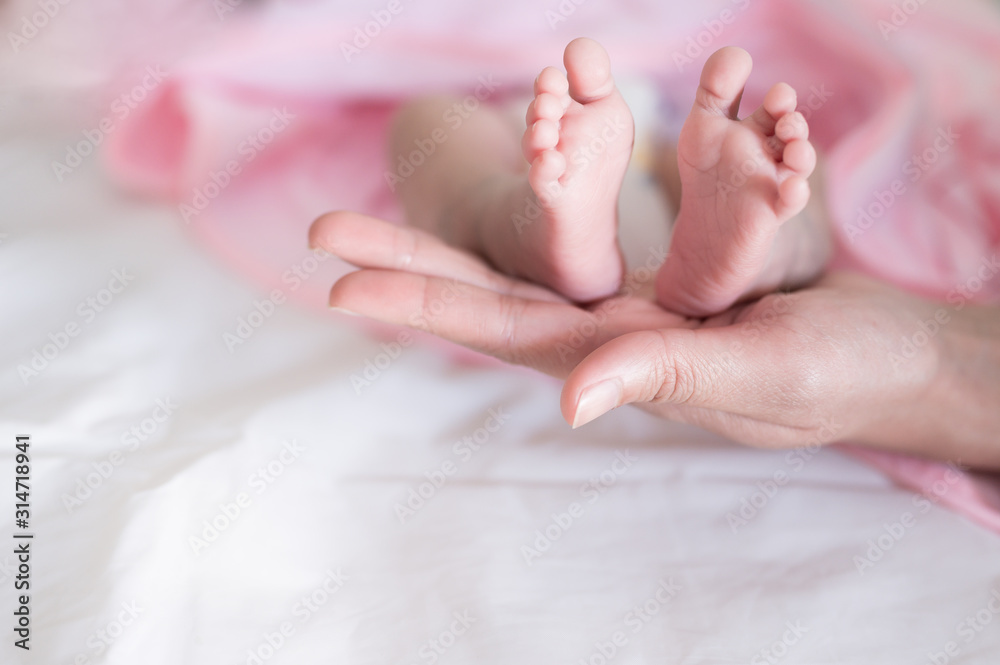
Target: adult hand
[[826, 363]]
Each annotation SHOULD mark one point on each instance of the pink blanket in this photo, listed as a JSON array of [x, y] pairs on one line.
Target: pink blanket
[[287, 119]]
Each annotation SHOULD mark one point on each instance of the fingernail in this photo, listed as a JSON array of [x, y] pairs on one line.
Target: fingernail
[[597, 400], [341, 310]]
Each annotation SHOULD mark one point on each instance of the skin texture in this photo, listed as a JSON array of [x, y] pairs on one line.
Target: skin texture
[[740, 181], [818, 364], [821, 364], [550, 213]]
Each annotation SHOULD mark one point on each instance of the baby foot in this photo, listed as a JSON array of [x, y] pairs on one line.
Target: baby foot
[[578, 141], [740, 181]]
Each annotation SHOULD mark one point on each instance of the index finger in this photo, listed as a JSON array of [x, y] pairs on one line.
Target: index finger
[[369, 242], [550, 337]]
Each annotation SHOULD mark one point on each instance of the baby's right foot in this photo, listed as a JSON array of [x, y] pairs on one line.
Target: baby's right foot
[[740, 181], [563, 231]]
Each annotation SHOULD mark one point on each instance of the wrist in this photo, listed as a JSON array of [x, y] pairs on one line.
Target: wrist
[[947, 366], [969, 348]]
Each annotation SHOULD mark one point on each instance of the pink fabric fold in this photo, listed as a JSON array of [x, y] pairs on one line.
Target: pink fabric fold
[[287, 119]]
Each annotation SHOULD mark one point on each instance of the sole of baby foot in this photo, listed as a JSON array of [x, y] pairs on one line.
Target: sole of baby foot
[[741, 180], [578, 142]]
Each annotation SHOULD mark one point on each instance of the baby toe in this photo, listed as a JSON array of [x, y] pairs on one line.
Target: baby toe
[[544, 174], [588, 70], [549, 107], [792, 127], [554, 82], [793, 195], [542, 135], [780, 100], [800, 157], [722, 81]]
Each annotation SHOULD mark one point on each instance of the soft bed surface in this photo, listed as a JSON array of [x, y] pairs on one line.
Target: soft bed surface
[[195, 501]]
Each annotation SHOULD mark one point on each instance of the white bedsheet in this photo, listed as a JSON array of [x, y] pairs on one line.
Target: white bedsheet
[[317, 472]]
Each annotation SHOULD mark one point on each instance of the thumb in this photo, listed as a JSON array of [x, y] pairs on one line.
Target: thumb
[[701, 368]]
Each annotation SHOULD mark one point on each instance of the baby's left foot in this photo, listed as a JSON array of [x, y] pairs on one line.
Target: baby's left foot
[[740, 181], [578, 141]]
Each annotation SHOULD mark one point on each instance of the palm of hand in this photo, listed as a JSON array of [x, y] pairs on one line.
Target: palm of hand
[[774, 372]]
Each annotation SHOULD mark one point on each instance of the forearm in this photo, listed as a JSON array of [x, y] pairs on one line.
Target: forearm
[[956, 415]]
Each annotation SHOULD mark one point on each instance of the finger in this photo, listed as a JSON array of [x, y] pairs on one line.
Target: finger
[[547, 336], [369, 242], [516, 330], [705, 368]]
